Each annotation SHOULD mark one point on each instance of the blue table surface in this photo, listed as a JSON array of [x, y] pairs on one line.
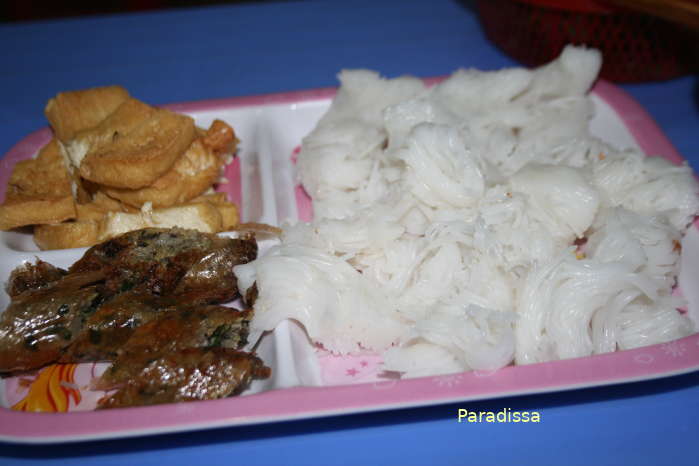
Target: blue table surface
[[247, 49]]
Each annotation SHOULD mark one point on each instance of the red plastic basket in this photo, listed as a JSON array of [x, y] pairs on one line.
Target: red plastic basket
[[636, 47]]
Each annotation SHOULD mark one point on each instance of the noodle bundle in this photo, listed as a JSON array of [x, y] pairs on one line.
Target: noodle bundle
[[477, 223]]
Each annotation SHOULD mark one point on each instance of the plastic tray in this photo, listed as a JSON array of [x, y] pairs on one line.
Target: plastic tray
[[307, 382]]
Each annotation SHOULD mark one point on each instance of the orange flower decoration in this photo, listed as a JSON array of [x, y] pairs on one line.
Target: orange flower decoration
[[51, 390]]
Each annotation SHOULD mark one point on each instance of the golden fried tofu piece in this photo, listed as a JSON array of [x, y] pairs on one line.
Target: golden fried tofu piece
[[209, 213], [39, 191], [132, 147], [220, 138], [99, 206], [191, 175], [74, 111], [77, 234], [228, 211], [84, 230], [106, 218], [201, 216]]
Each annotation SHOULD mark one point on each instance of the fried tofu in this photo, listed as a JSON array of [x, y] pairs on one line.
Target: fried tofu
[[74, 111], [107, 218], [84, 230], [99, 206], [201, 215], [192, 174], [39, 191], [228, 211], [132, 147], [65, 235], [117, 164]]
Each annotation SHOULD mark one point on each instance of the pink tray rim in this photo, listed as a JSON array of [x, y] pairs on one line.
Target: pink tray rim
[[662, 360]]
